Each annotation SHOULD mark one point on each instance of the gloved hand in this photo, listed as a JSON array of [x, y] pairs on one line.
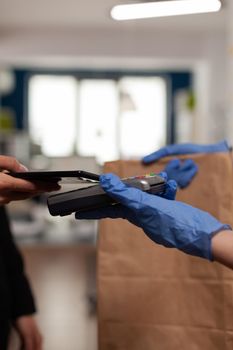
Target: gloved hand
[[185, 148], [167, 222], [181, 171]]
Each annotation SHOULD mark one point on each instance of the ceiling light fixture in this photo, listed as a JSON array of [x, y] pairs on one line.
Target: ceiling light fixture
[[164, 8]]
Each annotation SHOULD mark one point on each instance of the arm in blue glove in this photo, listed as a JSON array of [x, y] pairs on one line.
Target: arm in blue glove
[[185, 148], [170, 223], [183, 171]]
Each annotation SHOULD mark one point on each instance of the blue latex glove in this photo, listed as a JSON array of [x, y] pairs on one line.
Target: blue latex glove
[[181, 171], [167, 222], [185, 148]]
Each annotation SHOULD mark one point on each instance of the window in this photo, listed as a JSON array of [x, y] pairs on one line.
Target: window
[[53, 113], [142, 116], [97, 132], [105, 118]]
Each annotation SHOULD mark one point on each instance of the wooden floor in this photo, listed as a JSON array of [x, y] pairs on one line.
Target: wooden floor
[[63, 280]]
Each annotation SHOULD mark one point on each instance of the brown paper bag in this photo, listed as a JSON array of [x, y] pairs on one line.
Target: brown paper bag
[[155, 298]]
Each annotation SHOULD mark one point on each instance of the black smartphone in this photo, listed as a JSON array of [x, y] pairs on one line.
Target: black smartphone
[[64, 176]]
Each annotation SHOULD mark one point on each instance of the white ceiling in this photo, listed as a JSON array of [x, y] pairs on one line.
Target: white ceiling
[[89, 13]]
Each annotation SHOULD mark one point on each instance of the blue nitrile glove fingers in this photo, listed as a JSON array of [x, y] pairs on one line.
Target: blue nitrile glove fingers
[[185, 148], [170, 189], [181, 171], [118, 211], [163, 174], [166, 222]]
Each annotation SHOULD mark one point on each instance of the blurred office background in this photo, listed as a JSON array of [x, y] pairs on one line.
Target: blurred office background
[[78, 89]]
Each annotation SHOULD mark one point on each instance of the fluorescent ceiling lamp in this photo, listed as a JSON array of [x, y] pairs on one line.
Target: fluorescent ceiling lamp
[[164, 8]]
